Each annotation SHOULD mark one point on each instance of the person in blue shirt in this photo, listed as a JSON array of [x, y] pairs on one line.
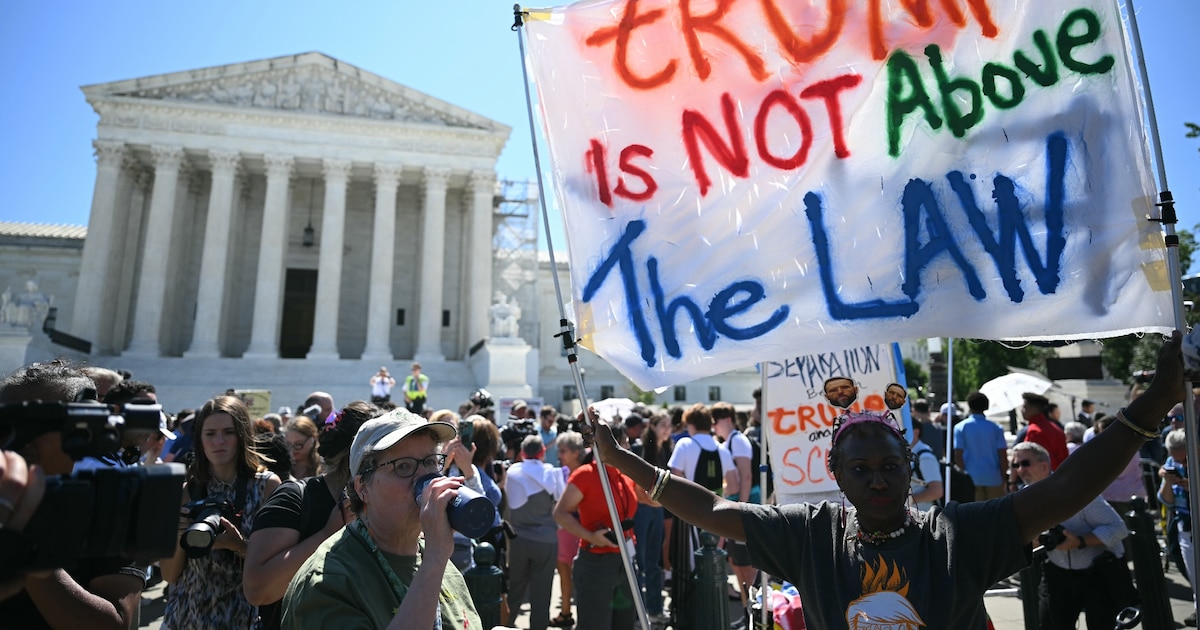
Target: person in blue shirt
[[980, 449]]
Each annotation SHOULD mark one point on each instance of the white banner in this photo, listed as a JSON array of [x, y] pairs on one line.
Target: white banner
[[799, 418], [753, 179]]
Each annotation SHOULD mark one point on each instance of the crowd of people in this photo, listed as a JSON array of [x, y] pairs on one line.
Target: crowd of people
[[339, 515]]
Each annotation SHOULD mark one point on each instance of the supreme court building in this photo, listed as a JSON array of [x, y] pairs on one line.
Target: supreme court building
[[292, 224]]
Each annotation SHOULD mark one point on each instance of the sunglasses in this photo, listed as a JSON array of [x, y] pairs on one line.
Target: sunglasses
[[1024, 463]]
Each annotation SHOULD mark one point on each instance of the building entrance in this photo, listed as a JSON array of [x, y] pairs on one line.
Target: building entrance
[[299, 312]]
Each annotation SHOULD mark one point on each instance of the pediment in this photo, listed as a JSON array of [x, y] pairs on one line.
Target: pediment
[[311, 83]]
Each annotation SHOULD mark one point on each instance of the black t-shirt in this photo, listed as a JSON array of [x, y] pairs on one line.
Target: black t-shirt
[[19, 611], [302, 505]]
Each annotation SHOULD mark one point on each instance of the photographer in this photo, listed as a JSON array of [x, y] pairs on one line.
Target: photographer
[[1084, 570], [98, 593], [226, 474], [21, 489]]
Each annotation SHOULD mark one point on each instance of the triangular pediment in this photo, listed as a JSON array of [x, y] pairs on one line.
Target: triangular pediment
[[311, 83]]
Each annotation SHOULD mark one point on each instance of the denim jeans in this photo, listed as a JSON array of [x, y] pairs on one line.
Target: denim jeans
[[648, 529], [602, 597]]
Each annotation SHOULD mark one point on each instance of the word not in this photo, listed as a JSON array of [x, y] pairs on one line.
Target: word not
[[906, 90], [797, 48], [919, 205], [813, 369], [709, 323], [730, 152]]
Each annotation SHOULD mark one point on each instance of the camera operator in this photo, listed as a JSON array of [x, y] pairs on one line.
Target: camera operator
[[98, 593], [1084, 569], [21, 489]]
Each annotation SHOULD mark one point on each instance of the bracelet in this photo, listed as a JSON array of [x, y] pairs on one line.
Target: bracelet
[[660, 483], [1145, 433]]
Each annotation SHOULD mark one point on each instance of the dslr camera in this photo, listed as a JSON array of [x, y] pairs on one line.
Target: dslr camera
[[482, 399], [126, 512], [206, 516], [1053, 537]]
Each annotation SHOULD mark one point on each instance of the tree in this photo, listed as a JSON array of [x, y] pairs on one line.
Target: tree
[[1193, 130], [977, 362], [916, 376]]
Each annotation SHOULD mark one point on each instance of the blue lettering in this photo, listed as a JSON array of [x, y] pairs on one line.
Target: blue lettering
[[621, 254], [723, 307], [666, 315]]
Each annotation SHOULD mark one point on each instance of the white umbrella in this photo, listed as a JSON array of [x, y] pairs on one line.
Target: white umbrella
[[611, 408], [1004, 392]]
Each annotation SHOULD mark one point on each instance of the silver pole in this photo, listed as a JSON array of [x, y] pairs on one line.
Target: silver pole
[[763, 583], [1168, 219], [949, 418], [567, 330]]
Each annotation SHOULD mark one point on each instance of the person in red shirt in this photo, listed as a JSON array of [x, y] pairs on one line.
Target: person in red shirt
[[602, 595], [1043, 430]]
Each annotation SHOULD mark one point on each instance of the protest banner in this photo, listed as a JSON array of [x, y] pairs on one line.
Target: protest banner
[[800, 419], [742, 180]]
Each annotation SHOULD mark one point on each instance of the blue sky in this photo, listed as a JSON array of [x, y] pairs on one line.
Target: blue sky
[[459, 51]]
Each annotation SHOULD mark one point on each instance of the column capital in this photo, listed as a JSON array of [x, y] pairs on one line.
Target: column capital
[[131, 163], [336, 169], [436, 177], [279, 165], [167, 156], [109, 152], [387, 174], [483, 182], [224, 160]]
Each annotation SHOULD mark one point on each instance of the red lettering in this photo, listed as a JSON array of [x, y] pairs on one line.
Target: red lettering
[[732, 156], [799, 50], [626, 166], [630, 20], [595, 164], [789, 104], [919, 10], [776, 416], [828, 91], [692, 24]]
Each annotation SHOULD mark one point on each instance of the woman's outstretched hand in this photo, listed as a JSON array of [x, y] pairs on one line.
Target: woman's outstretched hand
[[597, 434]]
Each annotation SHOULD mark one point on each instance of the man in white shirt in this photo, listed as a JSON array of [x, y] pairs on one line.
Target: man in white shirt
[[742, 453]]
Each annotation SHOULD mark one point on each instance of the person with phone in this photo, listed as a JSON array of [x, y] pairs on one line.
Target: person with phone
[[1173, 493]]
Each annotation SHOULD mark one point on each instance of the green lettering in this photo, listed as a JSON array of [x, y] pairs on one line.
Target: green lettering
[[1067, 42], [1016, 89], [1043, 76], [958, 122], [902, 71]]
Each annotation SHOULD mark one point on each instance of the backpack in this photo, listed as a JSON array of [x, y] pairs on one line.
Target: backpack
[[708, 470], [756, 463], [962, 488]]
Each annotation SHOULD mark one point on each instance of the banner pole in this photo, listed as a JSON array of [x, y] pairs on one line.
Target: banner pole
[[763, 582], [946, 477], [1168, 218], [567, 330]]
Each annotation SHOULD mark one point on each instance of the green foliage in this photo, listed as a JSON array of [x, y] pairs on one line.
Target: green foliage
[[642, 396], [1193, 130], [977, 362], [916, 376]]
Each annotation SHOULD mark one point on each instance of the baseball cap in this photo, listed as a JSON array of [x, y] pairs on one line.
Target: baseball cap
[[162, 427], [284, 411], [385, 431]]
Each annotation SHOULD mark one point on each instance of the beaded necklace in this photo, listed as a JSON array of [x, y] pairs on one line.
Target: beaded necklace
[[880, 537]]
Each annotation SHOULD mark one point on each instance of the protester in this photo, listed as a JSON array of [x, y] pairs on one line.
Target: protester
[[301, 515], [549, 430], [1085, 571], [391, 567], [207, 585], [981, 450], [601, 588], [648, 522], [876, 561], [416, 390], [98, 592], [1173, 493], [742, 454], [571, 453], [302, 439], [926, 484], [532, 487], [1043, 430]]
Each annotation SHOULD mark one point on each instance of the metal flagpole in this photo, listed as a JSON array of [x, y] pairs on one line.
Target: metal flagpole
[[567, 332], [946, 476], [1168, 218], [763, 583]]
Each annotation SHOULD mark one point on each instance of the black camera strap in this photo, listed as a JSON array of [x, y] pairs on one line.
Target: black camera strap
[[240, 488]]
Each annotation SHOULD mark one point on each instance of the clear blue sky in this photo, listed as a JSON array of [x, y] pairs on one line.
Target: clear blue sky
[[459, 51]]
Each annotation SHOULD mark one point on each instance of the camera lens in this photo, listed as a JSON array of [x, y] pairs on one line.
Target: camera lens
[[198, 539]]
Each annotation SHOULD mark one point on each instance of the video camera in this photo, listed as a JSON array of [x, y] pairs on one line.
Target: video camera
[[482, 399], [516, 431], [1053, 537], [206, 515], [566, 423], [127, 512]]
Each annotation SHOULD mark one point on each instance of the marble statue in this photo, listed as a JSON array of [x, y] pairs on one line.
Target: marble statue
[[505, 317]]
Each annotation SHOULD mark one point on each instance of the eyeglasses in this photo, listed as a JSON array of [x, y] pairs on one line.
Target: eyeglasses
[[297, 446], [405, 467], [1024, 463]]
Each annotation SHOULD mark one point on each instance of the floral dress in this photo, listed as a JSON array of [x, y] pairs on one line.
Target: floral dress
[[209, 594]]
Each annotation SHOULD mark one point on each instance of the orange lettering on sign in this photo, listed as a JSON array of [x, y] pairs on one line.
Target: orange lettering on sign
[[776, 416], [923, 16], [693, 24], [630, 20]]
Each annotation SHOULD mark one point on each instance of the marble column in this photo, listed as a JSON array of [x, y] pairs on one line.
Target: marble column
[[127, 258], [210, 298], [329, 270], [268, 292], [98, 247], [381, 275], [152, 285], [479, 270], [433, 241]]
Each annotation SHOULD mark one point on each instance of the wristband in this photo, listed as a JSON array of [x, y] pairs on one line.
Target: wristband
[[1145, 433]]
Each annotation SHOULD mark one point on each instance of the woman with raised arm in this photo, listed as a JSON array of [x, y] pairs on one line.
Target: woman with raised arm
[[872, 560]]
